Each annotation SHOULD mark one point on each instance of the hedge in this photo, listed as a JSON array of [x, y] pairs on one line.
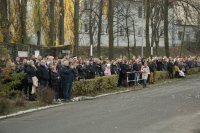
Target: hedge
[[194, 70], [85, 87], [94, 86], [159, 75]]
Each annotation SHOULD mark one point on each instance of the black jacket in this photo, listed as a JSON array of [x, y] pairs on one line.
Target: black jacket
[[30, 71], [55, 78], [43, 73], [136, 67], [67, 75], [152, 66], [170, 66]]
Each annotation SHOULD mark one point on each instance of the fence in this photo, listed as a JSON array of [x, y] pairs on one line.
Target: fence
[[134, 76], [58, 51]]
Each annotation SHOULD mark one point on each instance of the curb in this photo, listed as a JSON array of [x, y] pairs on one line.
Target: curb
[[82, 98], [30, 111], [76, 99]]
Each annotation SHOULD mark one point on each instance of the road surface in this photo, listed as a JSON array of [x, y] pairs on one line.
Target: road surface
[[168, 108]]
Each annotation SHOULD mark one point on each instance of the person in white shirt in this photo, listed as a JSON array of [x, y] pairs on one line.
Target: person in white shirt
[[145, 72]]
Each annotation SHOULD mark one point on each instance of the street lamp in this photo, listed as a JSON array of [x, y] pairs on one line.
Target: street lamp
[[142, 47]]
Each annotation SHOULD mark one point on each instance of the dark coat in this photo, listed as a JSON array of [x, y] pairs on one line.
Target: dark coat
[[170, 66], [55, 78], [43, 73], [30, 71], [91, 69], [67, 75], [152, 67], [136, 67], [81, 71], [114, 69]]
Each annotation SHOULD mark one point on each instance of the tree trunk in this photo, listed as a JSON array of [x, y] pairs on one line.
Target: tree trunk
[[134, 34], [4, 20], [52, 22], [23, 20], [147, 12], [127, 34], [110, 28], [166, 23], [157, 46], [100, 28], [128, 40], [183, 36], [38, 37], [76, 27], [37, 20], [61, 24]]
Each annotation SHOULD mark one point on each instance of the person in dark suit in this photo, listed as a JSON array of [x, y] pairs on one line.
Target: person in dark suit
[[67, 78], [123, 69], [55, 82], [91, 69], [170, 69], [43, 75], [30, 71]]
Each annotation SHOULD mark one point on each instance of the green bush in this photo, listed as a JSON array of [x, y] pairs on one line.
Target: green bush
[[193, 70], [10, 82], [94, 86], [159, 75]]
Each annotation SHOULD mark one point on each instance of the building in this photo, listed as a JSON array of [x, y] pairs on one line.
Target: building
[[129, 14]]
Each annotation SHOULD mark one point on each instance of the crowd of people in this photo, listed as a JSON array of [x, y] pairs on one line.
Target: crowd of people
[[59, 73]]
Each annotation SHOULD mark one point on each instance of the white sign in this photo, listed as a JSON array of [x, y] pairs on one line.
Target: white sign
[[22, 54], [37, 53]]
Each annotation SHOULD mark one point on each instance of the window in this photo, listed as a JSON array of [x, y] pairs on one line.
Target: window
[[161, 31], [139, 31], [107, 29], [102, 29], [140, 12], [196, 36], [178, 22], [180, 35], [85, 5], [188, 37], [86, 28], [121, 31]]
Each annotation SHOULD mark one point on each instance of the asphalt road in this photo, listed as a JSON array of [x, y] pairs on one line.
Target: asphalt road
[[169, 108]]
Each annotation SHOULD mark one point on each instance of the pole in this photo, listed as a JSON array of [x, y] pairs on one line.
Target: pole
[[91, 50], [142, 47]]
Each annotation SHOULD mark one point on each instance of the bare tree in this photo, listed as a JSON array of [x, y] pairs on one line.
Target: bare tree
[[37, 20], [101, 5], [156, 18], [110, 27], [76, 26], [52, 22], [147, 17], [61, 23], [166, 23]]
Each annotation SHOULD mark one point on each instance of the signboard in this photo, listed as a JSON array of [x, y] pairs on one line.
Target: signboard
[[37, 53], [22, 53], [67, 52]]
